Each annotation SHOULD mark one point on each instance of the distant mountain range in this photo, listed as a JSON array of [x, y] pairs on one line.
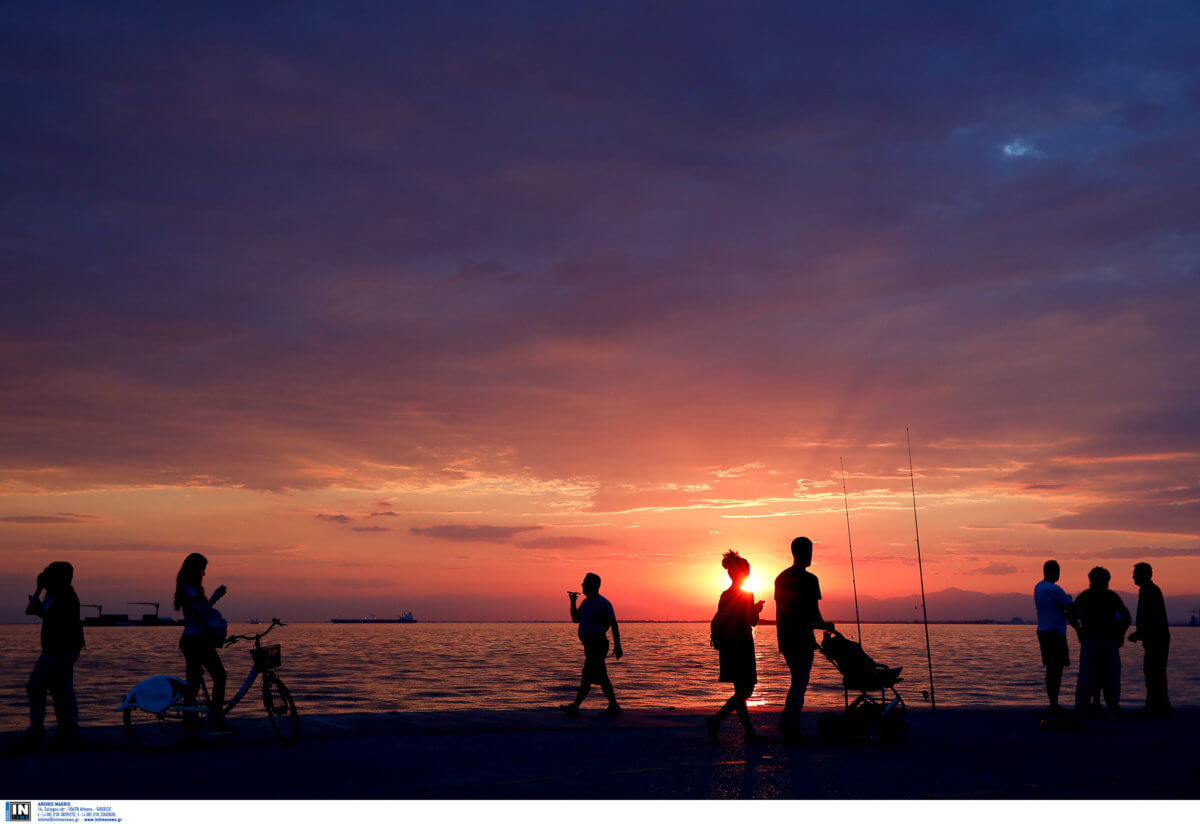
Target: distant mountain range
[[955, 604]]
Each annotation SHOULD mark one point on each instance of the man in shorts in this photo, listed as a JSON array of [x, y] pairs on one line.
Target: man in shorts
[[595, 617], [1052, 603]]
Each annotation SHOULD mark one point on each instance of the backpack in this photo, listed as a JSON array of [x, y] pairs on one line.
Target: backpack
[[215, 627], [724, 624]]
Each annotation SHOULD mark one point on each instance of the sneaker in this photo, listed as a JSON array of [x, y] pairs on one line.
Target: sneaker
[[610, 712], [571, 710]]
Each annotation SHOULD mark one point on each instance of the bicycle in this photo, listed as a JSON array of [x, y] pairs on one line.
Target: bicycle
[[162, 711]]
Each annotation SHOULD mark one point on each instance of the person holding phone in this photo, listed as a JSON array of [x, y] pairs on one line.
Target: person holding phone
[[595, 617], [199, 643], [732, 635]]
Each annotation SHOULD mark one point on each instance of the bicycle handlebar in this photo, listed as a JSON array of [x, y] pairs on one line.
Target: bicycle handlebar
[[233, 639]]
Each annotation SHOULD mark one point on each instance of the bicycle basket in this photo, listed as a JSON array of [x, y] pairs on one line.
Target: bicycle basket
[[268, 657]]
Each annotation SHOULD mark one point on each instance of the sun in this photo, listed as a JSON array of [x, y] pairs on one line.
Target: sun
[[760, 583], [756, 583]]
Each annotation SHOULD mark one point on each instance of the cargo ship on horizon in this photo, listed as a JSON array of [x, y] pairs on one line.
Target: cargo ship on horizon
[[403, 618]]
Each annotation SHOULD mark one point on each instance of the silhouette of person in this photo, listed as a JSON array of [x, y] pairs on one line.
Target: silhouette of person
[[1052, 603], [54, 672], [733, 638], [797, 614], [198, 644], [1156, 641], [1101, 618], [595, 617]]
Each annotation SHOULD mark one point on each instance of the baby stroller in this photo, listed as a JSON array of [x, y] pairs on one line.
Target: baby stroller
[[867, 717]]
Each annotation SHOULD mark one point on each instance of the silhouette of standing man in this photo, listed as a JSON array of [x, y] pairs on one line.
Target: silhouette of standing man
[[797, 614], [1052, 603], [1101, 618], [1156, 641], [595, 616], [62, 641]]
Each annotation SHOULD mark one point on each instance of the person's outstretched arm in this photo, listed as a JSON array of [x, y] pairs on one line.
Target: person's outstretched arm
[[1064, 603], [819, 622], [574, 606]]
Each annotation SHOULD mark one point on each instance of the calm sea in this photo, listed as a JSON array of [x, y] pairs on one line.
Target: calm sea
[[418, 667]]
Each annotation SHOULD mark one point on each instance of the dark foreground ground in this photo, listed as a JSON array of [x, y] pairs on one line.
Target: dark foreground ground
[[964, 754]]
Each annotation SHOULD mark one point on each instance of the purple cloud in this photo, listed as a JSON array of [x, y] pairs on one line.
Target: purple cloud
[[1144, 516], [60, 518], [994, 568], [1140, 552], [338, 518], [473, 533], [561, 542]]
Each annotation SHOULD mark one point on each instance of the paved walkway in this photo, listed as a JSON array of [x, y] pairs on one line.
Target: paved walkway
[[969, 754]]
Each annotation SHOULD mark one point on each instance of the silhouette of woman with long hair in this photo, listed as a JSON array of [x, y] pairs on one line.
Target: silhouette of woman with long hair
[[733, 638], [199, 641]]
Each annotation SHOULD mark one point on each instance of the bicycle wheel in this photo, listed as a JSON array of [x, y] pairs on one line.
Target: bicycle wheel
[[281, 709], [155, 731]]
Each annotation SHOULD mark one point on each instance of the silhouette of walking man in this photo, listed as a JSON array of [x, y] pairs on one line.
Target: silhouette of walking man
[[797, 614], [595, 617], [1156, 641], [1052, 603], [1101, 618], [732, 631], [54, 672]]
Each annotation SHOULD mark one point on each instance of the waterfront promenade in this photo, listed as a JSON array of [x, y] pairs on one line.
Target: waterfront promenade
[[951, 754]]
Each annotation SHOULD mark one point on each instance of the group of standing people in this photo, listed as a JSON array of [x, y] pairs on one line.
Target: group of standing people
[[797, 611], [57, 604], [1100, 618]]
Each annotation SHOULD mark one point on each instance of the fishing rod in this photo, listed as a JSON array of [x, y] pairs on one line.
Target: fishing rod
[[920, 570], [853, 581]]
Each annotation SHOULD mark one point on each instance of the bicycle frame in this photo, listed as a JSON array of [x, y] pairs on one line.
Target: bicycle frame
[[204, 699]]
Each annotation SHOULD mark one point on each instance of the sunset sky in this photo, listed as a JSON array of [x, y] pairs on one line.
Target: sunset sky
[[441, 307]]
